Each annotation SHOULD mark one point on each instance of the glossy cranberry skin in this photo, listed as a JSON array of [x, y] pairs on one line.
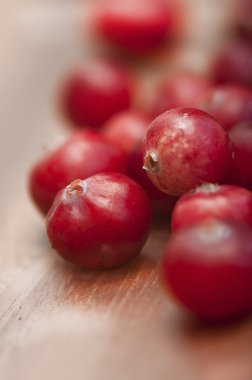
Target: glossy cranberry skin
[[230, 104], [241, 171], [83, 154], [234, 64], [101, 222], [180, 90], [136, 26], [208, 268], [184, 148], [94, 92], [212, 201], [126, 130]]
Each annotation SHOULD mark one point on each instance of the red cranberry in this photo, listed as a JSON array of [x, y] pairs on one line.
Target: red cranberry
[[137, 26], [101, 222], [180, 90], [241, 172], [210, 200], [230, 104], [83, 154], [126, 130], [184, 148], [208, 268], [94, 92], [234, 64]]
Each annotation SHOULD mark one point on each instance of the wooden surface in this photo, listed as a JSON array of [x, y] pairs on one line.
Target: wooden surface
[[58, 322]]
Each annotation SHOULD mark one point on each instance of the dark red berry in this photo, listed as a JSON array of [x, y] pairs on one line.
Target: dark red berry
[[94, 92], [230, 104], [101, 222], [184, 148], [137, 26], [83, 154], [234, 64], [213, 201], [208, 268], [180, 90], [241, 171], [126, 130]]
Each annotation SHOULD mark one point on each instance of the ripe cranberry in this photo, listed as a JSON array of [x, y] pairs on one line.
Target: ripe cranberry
[[83, 154], [208, 267], [210, 200], [126, 130], [180, 90], [230, 104], [184, 148], [101, 222], [241, 171], [137, 26], [234, 63], [94, 92]]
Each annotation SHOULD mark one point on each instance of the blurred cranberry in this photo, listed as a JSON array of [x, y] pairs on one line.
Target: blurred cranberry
[[180, 90], [126, 130], [230, 104], [234, 63], [94, 92], [83, 154], [137, 26], [241, 172]]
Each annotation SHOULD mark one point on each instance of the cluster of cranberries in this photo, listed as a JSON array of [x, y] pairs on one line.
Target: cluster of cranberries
[[195, 146]]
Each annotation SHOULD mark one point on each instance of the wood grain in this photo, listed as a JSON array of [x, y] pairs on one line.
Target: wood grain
[[59, 322]]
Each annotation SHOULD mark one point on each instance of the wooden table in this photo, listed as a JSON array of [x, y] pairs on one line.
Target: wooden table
[[58, 322]]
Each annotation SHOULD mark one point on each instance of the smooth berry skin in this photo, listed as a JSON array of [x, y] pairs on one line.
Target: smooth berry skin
[[230, 104], [126, 130], [208, 268], [83, 154], [134, 26], [184, 148], [224, 202], [234, 64], [241, 170], [94, 92], [101, 222], [183, 89]]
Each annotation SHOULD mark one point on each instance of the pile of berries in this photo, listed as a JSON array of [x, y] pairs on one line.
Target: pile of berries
[[188, 156]]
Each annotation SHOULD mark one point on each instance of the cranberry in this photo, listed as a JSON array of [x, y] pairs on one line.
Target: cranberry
[[241, 172], [230, 104], [208, 267], [180, 90], [184, 148], [126, 130], [83, 154], [94, 92], [234, 63], [101, 222], [137, 26], [210, 200]]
